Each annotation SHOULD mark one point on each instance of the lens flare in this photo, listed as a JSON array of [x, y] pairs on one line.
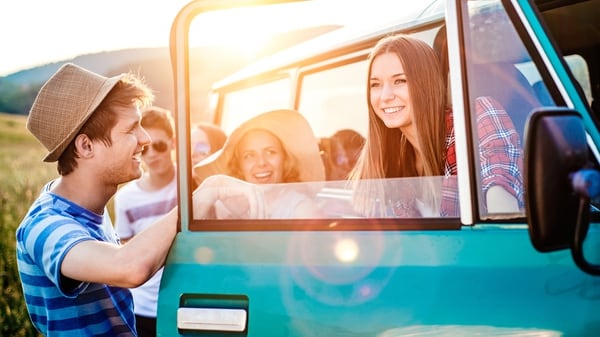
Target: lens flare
[[346, 250]]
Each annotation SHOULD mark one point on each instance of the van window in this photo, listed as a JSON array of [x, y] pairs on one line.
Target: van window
[[335, 98], [332, 97], [250, 101], [578, 67], [422, 197], [500, 70], [580, 70]]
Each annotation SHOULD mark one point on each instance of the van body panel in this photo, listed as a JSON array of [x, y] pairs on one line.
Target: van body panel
[[488, 279]]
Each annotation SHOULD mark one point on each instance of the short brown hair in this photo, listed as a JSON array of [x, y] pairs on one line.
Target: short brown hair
[[154, 117]]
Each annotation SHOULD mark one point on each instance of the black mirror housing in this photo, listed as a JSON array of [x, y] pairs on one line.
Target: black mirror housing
[[555, 147]]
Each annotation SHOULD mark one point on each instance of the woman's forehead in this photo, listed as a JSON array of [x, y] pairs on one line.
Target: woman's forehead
[[259, 136], [386, 63]]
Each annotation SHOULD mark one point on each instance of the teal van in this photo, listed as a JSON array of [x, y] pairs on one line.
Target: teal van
[[480, 272]]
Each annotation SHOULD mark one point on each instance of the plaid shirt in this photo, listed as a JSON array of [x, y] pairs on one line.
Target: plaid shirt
[[500, 155]]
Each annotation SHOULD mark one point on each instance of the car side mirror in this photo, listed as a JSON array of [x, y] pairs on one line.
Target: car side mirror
[[558, 182]]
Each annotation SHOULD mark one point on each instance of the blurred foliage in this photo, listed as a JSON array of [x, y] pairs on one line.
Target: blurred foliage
[[22, 175], [17, 99]]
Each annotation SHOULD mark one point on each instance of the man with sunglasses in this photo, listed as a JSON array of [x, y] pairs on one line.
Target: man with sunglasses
[[139, 203]]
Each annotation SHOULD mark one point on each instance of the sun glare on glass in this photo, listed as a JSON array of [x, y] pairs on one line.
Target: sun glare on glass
[[346, 250], [251, 29]]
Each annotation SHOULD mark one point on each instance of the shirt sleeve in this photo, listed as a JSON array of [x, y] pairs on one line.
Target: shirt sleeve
[[48, 243], [500, 149]]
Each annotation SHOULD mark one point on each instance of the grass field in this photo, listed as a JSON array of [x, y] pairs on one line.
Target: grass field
[[22, 174]]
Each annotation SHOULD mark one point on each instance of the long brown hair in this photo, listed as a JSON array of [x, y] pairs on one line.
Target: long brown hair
[[387, 152]]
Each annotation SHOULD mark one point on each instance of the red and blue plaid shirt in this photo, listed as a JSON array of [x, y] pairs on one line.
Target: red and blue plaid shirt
[[500, 155]]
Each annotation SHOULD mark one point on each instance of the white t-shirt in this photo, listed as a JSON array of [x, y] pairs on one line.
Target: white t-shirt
[[136, 209], [284, 206]]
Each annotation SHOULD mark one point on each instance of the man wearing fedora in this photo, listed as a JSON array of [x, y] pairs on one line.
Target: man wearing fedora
[[73, 270]]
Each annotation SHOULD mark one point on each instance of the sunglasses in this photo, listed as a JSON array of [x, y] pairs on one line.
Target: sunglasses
[[158, 146]]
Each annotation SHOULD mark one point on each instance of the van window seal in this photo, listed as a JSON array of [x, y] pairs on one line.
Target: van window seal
[[363, 224]]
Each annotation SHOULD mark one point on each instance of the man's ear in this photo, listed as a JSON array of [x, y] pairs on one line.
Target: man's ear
[[84, 146]]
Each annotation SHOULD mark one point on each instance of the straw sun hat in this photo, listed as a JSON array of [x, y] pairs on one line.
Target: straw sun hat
[[64, 104], [293, 131]]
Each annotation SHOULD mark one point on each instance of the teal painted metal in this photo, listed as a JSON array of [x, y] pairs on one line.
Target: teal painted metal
[[487, 279]]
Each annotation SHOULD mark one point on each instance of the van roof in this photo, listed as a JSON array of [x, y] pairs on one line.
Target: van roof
[[353, 34]]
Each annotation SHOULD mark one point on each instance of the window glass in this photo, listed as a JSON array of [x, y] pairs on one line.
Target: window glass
[[423, 197], [248, 102], [580, 70], [504, 86], [335, 99], [577, 65], [331, 98]]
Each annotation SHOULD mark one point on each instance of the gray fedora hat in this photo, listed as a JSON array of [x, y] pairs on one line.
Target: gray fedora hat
[[65, 102]]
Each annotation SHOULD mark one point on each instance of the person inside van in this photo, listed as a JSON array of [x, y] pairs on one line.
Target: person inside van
[[205, 138], [341, 151], [140, 202], [273, 148], [411, 134]]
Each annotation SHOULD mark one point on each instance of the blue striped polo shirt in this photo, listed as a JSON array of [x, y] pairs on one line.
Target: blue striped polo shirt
[[59, 306]]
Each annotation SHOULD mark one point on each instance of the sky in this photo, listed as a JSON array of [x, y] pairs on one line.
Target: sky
[[37, 32]]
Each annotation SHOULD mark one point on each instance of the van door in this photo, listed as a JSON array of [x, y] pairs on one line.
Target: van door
[[378, 273]]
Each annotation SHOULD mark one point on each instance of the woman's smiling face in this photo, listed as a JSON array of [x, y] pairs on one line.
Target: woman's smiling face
[[389, 96], [261, 157]]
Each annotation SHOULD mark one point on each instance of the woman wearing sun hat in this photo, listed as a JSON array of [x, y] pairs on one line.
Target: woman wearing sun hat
[[272, 148]]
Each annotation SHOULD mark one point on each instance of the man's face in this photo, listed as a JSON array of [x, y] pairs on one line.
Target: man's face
[[157, 156], [121, 162]]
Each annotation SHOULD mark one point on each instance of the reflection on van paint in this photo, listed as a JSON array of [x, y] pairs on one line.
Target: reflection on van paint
[[466, 331], [394, 279]]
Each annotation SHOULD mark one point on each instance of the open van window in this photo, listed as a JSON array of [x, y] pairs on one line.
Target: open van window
[[331, 92]]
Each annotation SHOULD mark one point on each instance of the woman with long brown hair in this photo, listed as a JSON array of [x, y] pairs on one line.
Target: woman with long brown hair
[[411, 134]]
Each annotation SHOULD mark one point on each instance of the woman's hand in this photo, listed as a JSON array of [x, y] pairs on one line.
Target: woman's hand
[[225, 197]]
